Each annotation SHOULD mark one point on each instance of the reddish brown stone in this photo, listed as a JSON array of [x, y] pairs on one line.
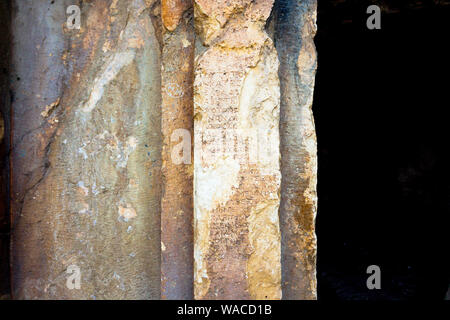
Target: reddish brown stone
[[172, 11], [177, 259]]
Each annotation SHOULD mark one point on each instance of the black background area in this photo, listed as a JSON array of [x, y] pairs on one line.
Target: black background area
[[380, 107]]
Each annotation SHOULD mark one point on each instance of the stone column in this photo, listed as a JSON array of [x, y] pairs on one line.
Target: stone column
[[236, 151], [5, 105], [177, 275], [86, 156], [295, 28]]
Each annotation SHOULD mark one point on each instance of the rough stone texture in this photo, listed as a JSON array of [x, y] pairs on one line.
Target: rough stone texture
[[236, 192], [86, 150], [177, 275], [93, 179], [294, 34], [172, 11], [5, 100]]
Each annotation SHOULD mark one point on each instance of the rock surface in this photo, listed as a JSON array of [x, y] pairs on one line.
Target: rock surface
[[86, 151], [236, 151], [5, 104], [104, 176], [177, 260], [294, 34]]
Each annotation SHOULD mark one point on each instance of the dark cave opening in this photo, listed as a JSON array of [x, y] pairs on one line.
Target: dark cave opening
[[383, 177]]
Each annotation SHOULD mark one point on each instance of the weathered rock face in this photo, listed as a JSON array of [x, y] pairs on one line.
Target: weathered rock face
[[236, 152], [5, 101], [295, 28], [172, 11], [102, 173], [86, 151], [177, 258]]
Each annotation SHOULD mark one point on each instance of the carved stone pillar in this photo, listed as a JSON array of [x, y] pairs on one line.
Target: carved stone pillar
[[105, 180], [177, 260], [5, 105], [295, 27], [86, 156], [236, 152]]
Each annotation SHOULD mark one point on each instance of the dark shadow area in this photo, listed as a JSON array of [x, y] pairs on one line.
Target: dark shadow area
[[380, 106]]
